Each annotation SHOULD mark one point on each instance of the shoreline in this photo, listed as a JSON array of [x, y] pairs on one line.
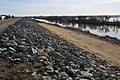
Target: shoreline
[[102, 48], [112, 40]]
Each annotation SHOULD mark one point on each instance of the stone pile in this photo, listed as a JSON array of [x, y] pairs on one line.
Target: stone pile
[[25, 41]]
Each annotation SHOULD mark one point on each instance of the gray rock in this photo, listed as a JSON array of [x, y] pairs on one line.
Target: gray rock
[[9, 44], [49, 69], [8, 58], [16, 60], [37, 76], [102, 67], [46, 63], [71, 64], [41, 70], [86, 74], [118, 74], [3, 49], [35, 57], [31, 50], [56, 55], [12, 49], [20, 48], [89, 69], [47, 78], [63, 76], [49, 49]]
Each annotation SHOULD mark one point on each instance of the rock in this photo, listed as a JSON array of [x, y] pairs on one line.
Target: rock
[[60, 63], [102, 67], [6, 38], [3, 49], [16, 72], [56, 55], [37, 77], [86, 74], [2, 54], [16, 60], [112, 75], [46, 63], [43, 53], [81, 79], [12, 49], [27, 71], [12, 37], [49, 49], [56, 68], [45, 74], [63, 76], [49, 69], [44, 58], [8, 58], [63, 68], [5, 35], [35, 57], [71, 64], [69, 78], [9, 44], [20, 48], [47, 78], [29, 56], [118, 74], [41, 70], [89, 69], [70, 71], [31, 50], [56, 72], [34, 73]]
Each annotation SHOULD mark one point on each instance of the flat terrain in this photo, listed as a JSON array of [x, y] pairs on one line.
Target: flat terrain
[[103, 49], [5, 23]]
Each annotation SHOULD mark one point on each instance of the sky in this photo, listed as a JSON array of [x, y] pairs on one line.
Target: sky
[[59, 7]]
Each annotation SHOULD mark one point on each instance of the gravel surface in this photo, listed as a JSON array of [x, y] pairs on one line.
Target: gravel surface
[[30, 52]]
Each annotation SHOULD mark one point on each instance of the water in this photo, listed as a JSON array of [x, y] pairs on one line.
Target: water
[[99, 30]]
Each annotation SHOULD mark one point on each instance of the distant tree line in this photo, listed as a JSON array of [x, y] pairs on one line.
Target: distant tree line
[[9, 16], [84, 19], [0, 18], [6, 16]]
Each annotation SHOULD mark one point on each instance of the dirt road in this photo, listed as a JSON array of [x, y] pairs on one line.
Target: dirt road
[[5, 23], [103, 49]]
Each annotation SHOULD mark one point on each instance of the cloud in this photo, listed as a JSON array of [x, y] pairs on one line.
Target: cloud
[[49, 7], [109, 1]]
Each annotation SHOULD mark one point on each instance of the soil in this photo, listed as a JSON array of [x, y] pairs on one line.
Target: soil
[[101, 48], [21, 71]]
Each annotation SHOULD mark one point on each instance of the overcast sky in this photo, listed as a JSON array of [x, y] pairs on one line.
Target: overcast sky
[[60, 7]]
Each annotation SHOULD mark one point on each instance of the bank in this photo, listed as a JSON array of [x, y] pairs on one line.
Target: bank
[[102, 48]]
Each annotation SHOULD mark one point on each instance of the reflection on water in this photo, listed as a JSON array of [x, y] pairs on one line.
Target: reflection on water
[[100, 30]]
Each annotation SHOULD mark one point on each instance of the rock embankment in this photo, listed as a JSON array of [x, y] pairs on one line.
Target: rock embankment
[[52, 57]]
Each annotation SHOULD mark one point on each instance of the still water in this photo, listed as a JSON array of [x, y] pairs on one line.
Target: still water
[[99, 30]]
